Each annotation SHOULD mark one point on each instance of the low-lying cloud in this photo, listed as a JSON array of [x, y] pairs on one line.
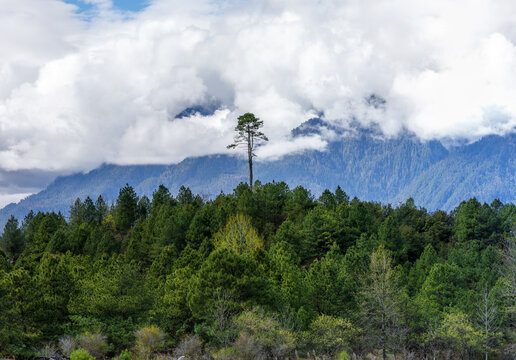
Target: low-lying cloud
[[79, 91]]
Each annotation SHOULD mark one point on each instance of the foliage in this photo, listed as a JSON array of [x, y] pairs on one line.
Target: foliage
[[67, 344], [238, 236], [148, 340], [81, 354], [48, 351], [262, 336], [126, 209], [458, 330], [125, 355], [191, 347], [259, 274], [95, 344], [330, 335], [12, 241], [381, 302], [250, 136], [329, 286], [224, 272]]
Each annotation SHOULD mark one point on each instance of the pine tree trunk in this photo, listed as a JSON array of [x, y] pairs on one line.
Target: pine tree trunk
[[250, 156], [251, 172]]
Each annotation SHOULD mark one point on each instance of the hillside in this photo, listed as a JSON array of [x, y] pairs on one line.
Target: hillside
[[265, 274]]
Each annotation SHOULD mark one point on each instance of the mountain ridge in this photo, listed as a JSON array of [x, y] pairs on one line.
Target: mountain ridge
[[387, 170]]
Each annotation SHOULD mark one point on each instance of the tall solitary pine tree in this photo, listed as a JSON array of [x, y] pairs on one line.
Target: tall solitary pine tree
[[249, 135]]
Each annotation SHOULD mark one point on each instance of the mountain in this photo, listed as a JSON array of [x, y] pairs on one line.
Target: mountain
[[360, 161], [485, 169]]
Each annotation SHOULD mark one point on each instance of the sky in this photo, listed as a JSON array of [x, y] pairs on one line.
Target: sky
[[86, 82], [123, 5]]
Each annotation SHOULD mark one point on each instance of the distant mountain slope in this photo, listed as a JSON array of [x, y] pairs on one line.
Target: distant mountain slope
[[485, 169], [59, 195], [360, 162], [364, 166]]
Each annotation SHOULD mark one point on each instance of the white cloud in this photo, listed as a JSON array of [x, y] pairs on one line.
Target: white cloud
[[284, 147], [6, 199], [76, 93]]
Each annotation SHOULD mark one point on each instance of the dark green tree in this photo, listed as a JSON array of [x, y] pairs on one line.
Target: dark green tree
[[12, 241], [421, 268], [249, 135], [76, 213], [226, 272], [90, 211], [55, 283], [144, 207], [340, 196], [185, 196], [329, 287], [101, 209], [287, 276], [126, 210], [161, 196], [111, 298]]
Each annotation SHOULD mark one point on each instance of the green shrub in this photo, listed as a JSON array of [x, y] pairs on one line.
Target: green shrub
[[328, 335], [125, 355], [148, 340], [228, 353], [343, 356], [81, 354], [262, 336], [95, 344]]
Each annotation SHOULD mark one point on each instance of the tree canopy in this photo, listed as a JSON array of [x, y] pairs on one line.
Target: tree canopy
[[271, 272]]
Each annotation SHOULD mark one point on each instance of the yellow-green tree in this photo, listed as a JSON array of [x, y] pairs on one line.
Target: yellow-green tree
[[329, 335], [239, 236], [457, 330]]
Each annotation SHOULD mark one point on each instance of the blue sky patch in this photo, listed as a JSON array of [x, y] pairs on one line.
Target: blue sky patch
[[127, 5]]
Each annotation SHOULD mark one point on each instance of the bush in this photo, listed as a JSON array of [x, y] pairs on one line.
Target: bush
[[125, 355], [228, 353], [191, 347], [67, 345], [48, 351], [328, 335], [148, 340], [262, 336], [95, 344], [81, 354], [343, 356]]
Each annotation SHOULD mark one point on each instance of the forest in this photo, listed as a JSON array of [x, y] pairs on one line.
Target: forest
[[267, 273]]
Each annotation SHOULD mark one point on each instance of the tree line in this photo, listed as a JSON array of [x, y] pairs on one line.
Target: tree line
[[262, 273]]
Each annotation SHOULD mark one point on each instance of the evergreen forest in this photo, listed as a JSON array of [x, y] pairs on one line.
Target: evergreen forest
[[267, 273]]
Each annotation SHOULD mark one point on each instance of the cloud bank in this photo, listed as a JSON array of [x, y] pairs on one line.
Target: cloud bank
[[76, 92]]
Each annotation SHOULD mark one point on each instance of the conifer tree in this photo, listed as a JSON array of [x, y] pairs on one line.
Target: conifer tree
[[126, 211], [381, 302], [249, 135], [12, 241]]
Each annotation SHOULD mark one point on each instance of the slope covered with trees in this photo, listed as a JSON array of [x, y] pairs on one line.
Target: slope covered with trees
[[268, 273]]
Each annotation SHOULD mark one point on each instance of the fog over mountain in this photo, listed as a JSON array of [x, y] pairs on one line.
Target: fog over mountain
[[79, 89]]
